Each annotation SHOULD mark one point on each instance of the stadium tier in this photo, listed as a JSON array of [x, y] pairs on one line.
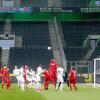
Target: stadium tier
[[75, 3], [75, 33], [96, 53], [1, 27], [0, 55], [33, 33], [34, 3], [35, 43], [75, 53], [32, 56]]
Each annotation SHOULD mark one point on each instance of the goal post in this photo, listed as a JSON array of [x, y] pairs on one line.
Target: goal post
[[96, 73]]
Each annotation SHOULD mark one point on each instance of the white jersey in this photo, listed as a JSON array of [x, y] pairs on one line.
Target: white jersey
[[21, 75], [38, 74], [16, 72], [39, 71], [21, 72], [60, 73], [30, 75], [34, 76]]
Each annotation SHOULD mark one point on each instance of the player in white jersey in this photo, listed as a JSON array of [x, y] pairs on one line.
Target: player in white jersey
[[27, 74], [38, 78], [30, 78], [21, 79], [16, 72], [34, 81], [60, 80]]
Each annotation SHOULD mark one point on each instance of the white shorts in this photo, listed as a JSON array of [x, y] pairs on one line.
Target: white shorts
[[21, 79], [60, 79], [29, 79], [38, 78], [17, 77]]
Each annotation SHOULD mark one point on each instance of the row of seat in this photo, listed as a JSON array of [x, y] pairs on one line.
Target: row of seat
[[33, 33], [75, 33], [75, 53], [36, 39], [75, 3], [2, 27], [96, 53], [34, 3], [0, 54], [32, 56]]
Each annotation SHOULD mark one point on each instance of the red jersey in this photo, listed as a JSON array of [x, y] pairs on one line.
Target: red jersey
[[4, 72], [72, 74], [53, 67], [53, 71], [46, 74], [24, 70]]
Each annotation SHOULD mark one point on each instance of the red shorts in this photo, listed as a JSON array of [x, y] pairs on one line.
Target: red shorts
[[72, 80], [25, 78], [4, 78], [8, 81], [47, 79]]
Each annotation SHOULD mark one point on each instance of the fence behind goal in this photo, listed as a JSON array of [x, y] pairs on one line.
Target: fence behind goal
[[83, 70]]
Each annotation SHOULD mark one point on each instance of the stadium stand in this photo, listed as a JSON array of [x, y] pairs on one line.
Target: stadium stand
[[96, 53], [36, 40], [33, 33], [1, 32], [75, 53], [75, 34], [1, 27], [32, 56], [0, 54], [34, 3], [75, 3]]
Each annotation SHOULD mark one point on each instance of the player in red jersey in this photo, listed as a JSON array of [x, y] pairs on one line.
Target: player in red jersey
[[46, 78], [5, 75], [53, 71], [8, 84], [72, 79], [25, 72]]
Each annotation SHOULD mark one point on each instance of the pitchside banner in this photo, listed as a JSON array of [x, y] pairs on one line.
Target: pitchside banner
[[97, 3], [6, 44], [15, 9]]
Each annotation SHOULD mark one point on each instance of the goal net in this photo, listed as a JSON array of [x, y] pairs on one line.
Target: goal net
[[96, 72]]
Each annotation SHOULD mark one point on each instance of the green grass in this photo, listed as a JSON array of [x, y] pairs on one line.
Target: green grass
[[83, 93]]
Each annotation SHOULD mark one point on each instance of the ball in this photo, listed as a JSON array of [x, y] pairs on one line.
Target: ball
[[49, 48]]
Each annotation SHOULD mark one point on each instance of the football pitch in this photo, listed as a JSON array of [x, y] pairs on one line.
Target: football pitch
[[83, 93]]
